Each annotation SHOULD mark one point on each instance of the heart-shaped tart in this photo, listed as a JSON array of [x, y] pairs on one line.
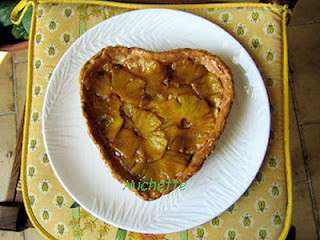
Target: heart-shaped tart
[[155, 116]]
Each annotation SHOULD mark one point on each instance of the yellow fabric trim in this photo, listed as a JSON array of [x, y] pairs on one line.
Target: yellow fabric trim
[[24, 5], [274, 7], [287, 223]]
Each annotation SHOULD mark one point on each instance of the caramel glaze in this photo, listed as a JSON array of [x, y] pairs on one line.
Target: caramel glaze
[[155, 115]]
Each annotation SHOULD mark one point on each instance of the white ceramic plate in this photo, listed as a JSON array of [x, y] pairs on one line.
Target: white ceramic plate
[[226, 174]]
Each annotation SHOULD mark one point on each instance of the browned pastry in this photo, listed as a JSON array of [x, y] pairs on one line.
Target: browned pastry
[[155, 115]]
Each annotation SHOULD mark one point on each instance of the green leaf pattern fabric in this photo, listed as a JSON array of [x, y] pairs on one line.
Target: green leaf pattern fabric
[[260, 212]]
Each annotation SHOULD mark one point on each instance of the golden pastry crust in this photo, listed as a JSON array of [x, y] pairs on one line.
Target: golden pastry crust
[[184, 78]]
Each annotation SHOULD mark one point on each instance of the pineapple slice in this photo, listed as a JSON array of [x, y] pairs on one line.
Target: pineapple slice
[[146, 68], [198, 134], [155, 145], [139, 155], [128, 110], [138, 169], [174, 163], [153, 172], [147, 124], [174, 92], [97, 106], [178, 143], [152, 71], [114, 105], [127, 122], [188, 127], [126, 143], [113, 121], [209, 87], [113, 126], [173, 111], [144, 121], [102, 85], [154, 87], [186, 71], [191, 139], [171, 165], [127, 86], [216, 101], [171, 133]]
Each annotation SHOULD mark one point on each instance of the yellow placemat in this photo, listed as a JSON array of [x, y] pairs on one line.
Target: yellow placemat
[[264, 212]]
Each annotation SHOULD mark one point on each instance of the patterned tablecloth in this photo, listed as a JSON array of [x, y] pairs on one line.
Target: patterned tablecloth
[[262, 211]]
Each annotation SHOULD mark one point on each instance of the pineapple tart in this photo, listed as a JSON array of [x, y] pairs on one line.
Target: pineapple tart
[[155, 116]]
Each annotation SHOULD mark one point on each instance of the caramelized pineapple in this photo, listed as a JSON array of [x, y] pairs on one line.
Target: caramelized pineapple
[[174, 92], [186, 71], [114, 105], [216, 101], [173, 111], [138, 169], [144, 121], [171, 165], [188, 124], [209, 87], [171, 133], [155, 145], [97, 106], [113, 121], [129, 87], [128, 110], [152, 71], [126, 143], [113, 125], [192, 139], [146, 68], [148, 171], [102, 85], [199, 133], [147, 124], [178, 143], [154, 171], [140, 155], [127, 122]]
